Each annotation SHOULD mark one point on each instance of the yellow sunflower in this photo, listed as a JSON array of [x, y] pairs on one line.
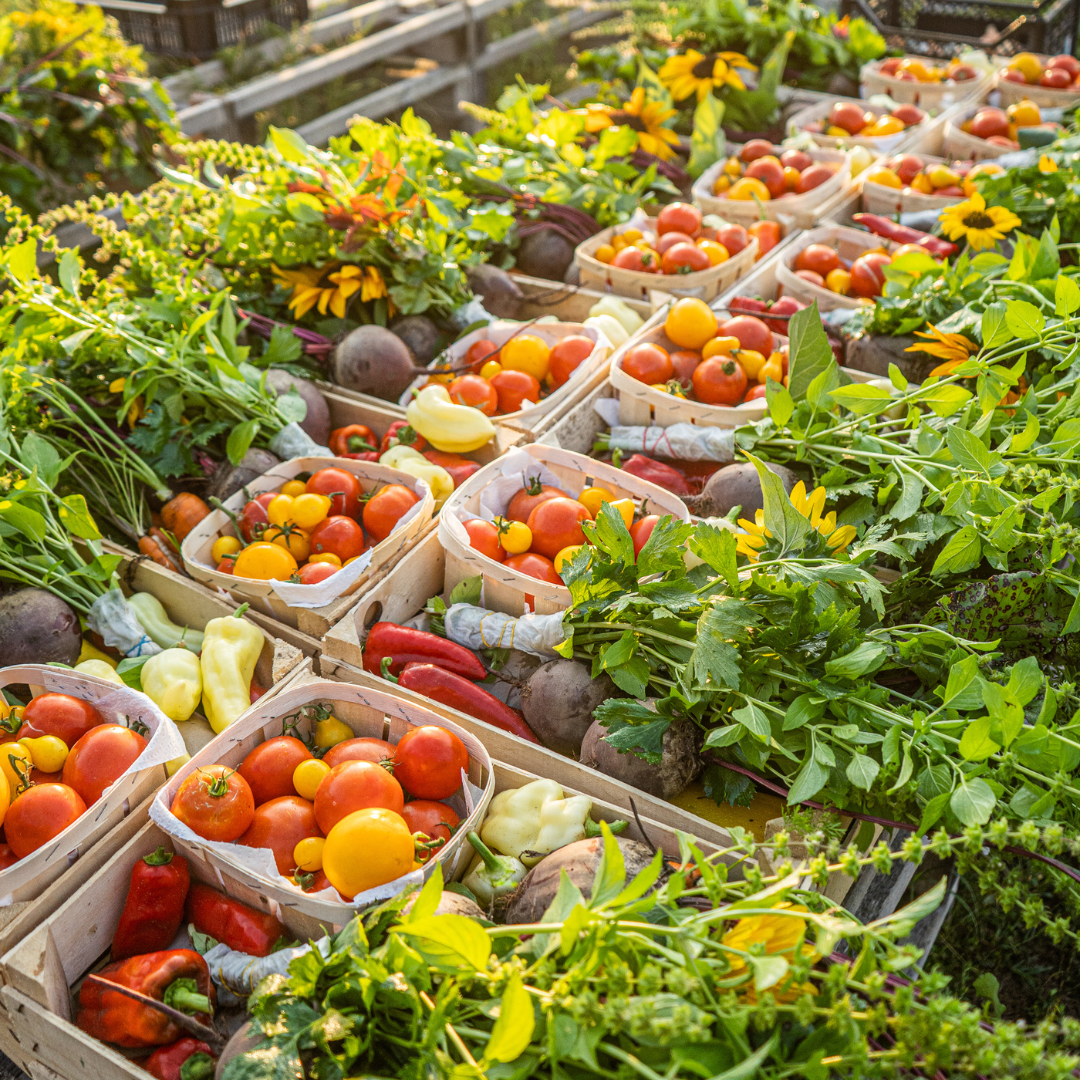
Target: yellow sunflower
[[954, 349], [645, 117], [343, 282], [810, 506], [780, 934], [698, 73], [1047, 164], [981, 225]]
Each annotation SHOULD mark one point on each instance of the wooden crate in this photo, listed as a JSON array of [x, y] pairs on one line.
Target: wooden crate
[[927, 95], [568, 303], [957, 143]]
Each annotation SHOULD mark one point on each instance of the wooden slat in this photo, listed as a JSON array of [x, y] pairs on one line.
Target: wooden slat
[[514, 44]]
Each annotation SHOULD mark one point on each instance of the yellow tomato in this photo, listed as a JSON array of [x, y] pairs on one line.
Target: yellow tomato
[[883, 125], [632, 236], [48, 752], [15, 763], [527, 353], [715, 250], [884, 177], [490, 369], [839, 132], [626, 510], [747, 188], [604, 253], [265, 561], [309, 509], [791, 178], [308, 854], [917, 68], [515, 536], [720, 346], [752, 362], [721, 184], [1029, 65], [5, 797], [326, 557], [773, 368], [733, 168], [565, 556], [942, 176], [673, 387], [618, 243], [330, 731], [838, 281], [308, 775], [224, 545], [922, 183], [592, 498], [367, 848], [1024, 113], [280, 509], [296, 541], [293, 488]]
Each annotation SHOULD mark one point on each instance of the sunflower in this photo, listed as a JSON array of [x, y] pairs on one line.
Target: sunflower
[[308, 289], [954, 349], [780, 934], [1047, 164], [810, 506], [981, 225], [697, 73], [645, 117]]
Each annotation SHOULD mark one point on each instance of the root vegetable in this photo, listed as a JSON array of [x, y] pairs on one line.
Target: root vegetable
[[317, 421], [500, 292], [545, 254], [580, 861], [373, 360], [37, 627], [558, 703], [229, 479], [680, 762], [735, 485], [420, 335], [451, 903]]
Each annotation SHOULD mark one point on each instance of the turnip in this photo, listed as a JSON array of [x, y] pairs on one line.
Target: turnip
[[373, 360], [680, 761], [317, 421], [558, 703], [37, 627], [420, 335], [735, 485], [229, 479], [500, 292]]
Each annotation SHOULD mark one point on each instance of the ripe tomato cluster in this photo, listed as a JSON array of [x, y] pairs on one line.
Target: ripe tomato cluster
[[57, 758], [524, 370], [1058, 73], [682, 244], [541, 529], [309, 529], [340, 820], [847, 118], [1001, 127], [864, 277], [917, 69], [758, 173], [910, 173]]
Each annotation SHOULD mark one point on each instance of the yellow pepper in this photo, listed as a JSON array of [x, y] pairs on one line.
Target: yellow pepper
[[537, 817], [415, 464], [172, 680], [100, 668], [453, 428], [47, 752], [177, 763], [91, 652], [329, 731], [231, 648], [15, 763]]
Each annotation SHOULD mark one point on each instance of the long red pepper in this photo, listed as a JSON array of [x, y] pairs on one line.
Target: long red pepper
[[234, 924], [154, 907], [186, 1059], [450, 689], [405, 645], [656, 472], [903, 234]]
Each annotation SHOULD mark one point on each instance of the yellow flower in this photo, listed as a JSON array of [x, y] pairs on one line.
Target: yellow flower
[[645, 117], [343, 282], [780, 934], [753, 540], [697, 73], [981, 225], [1047, 164], [954, 349], [374, 287], [811, 507]]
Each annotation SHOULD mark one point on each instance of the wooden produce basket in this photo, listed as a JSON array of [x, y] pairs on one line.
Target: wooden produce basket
[[508, 590], [197, 545], [880, 144], [957, 143], [879, 199], [704, 284], [927, 95], [796, 211], [567, 303], [1046, 97]]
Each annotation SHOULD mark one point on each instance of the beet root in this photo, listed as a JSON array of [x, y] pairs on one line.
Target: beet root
[[229, 478], [421, 337], [545, 254], [736, 485], [37, 627], [679, 764], [558, 702], [373, 360], [317, 421], [500, 292]]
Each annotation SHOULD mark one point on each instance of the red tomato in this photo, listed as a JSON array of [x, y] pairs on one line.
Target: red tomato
[[340, 536], [428, 762], [679, 217], [480, 352], [531, 495], [755, 149], [7, 857], [313, 572], [813, 177], [40, 814], [641, 530], [68, 718], [484, 537], [718, 381], [514, 389], [475, 391], [568, 355], [386, 508], [768, 235], [867, 274], [225, 566], [648, 363], [770, 172], [342, 487], [254, 515], [255, 691], [684, 364], [786, 305], [313, 883], [752, 333], [355, 785], [633, 258], [809, 275], [669, 240], [534, 566], [362, 749], [684, 259], [269, 768], [99, 758], [556, 524], [820, 258], [435, 820], [758, 390], [215, 803], [733, 237], [280, 825]]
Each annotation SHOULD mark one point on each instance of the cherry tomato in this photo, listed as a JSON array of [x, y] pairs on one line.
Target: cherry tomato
[[428, 762], [556, 524], [568, 355], [475, 391], [386, 508], [534, 566], [253, 518], [225, 566], [514, 389], [352, 786], [685, 363], [340, 536], [311, 573], [515, 537], [530, 496], [684, 259], [7, 856], [341, 486], [314, 883], [265, 561], [367, 848], [719, 382], [99, 758], [40, 814], [399, 433], [820, 258], [435, 820], [308, 776], [868, 274], [669, 240], [752, 333], [224, 545], [215, 803], [484, 537], [279, 509], [460, 468], [634, 258], [68, 718], [280, 825], [648, 363], [679, 217], [296, 541], [641, 530], [480, 352], [767, 233], [309, 509], [362, 749], [756, 392], [269, 768]]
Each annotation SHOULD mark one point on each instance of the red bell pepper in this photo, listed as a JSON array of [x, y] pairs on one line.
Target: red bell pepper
[[656, 472], [178, 977], [460, 468], [404, 645], [399, 433], [185, 1059], [902, 234], [234, 924], [748, 303], [353, 439], [452, 690], [154, 907]]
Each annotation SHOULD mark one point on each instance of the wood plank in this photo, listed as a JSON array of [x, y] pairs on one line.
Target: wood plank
[[514, 44]]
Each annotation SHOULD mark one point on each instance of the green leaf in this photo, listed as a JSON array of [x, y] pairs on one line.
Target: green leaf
[[968, 449], [932, 812], [292, 147], [655, 90], [717, 548], [811, 779], [612, 536], [70, 271], [428, 899], [779, 401], [707, 140], [896, 377], [1026, 439], [77, 519], [22, 260], [1025, 320], [994, 329], [945, 400], [801, 711], [240, 439], [862, 771], [754, 720], [975, 743], [451, 941], [973, 802], [130, 670], [1066, 295], [862, 399], [910, 914], [809, 350], [961, 553], [25, 519], [960, 678], [714, 663], [610, 879], [513, 1030], [785, 523], [863, 660]]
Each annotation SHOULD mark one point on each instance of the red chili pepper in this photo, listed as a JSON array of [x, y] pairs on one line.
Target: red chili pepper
[[365, 455], [449, 689], [155, 905], [234, 924], [185, 1059], [749, 303], [460, 468], [178, 977], [404, 645], [399, 433], [902, 234], [656, 472], [352, 439]]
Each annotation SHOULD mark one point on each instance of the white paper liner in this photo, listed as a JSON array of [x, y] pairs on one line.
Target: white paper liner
[[322, 593]]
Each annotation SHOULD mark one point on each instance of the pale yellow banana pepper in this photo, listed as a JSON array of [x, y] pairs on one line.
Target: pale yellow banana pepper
[[101, 669], [172, 680], [231, 648], [537, 818], [161, 630], [91, 652], [453, 428], [415, 464]]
